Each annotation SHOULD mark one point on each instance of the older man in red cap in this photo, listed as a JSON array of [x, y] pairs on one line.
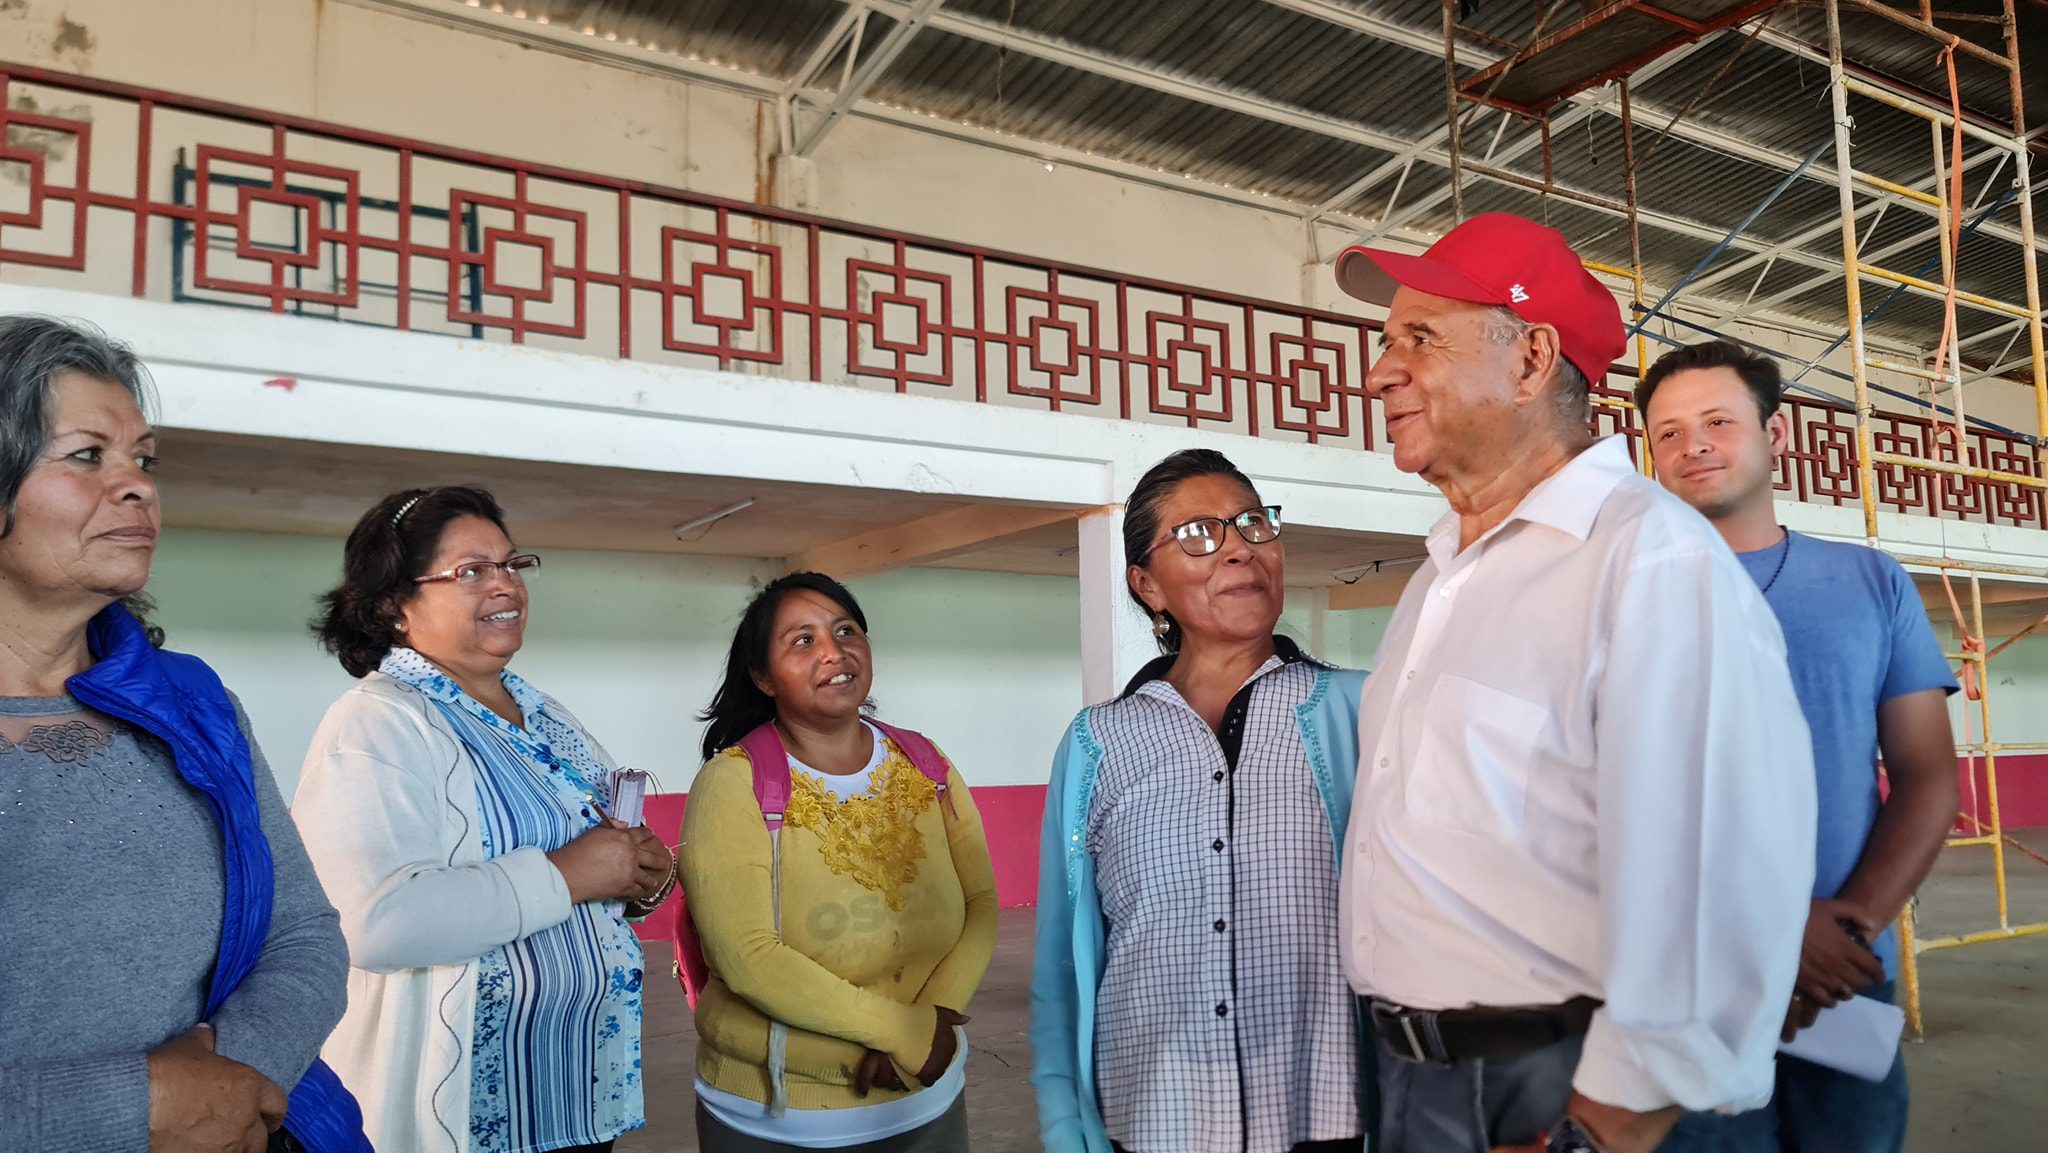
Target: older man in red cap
[[1582, 843]]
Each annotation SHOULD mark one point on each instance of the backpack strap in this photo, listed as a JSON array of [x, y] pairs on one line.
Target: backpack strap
[[924, 755], [765, 752], [770, 760]]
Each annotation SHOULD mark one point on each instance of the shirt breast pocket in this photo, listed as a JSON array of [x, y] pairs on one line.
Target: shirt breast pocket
[[1471, 769]]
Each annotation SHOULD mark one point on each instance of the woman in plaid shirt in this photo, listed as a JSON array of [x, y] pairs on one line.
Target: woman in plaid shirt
[[1188, 996]]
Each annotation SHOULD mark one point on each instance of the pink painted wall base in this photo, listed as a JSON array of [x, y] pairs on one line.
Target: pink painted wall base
[[2022, 793]]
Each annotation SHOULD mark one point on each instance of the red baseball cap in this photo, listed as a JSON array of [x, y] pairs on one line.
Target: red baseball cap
[[1500, 258]]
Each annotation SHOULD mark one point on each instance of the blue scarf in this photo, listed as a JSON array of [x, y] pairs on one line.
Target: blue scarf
[[180, 701]]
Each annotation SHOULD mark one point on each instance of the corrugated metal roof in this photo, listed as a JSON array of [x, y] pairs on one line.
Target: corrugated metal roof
[[1246, 46], [1022, 66], [771, 37], [981, 83]]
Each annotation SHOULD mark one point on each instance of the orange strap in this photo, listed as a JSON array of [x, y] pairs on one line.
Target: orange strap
[[1945, 433], [1973, 689], [1954, 199]]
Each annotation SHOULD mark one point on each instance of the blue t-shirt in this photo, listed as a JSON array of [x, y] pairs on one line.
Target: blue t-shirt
[[1856, 635]]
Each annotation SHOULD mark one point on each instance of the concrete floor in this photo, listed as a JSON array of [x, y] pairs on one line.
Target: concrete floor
[[1980, 1076]]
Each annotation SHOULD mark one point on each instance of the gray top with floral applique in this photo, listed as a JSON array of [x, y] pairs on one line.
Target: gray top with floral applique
[[111, 897]]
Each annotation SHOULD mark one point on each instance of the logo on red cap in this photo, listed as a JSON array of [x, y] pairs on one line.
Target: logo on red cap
[[1502, 259]]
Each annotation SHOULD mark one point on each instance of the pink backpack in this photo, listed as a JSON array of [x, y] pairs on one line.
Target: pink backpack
[[764, 751]]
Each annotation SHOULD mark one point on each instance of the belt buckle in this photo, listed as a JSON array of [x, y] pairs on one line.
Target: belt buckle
[[1425, 1044]]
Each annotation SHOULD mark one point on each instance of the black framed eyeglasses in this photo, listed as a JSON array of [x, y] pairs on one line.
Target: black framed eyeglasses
[[474, 573], [1204, 535]]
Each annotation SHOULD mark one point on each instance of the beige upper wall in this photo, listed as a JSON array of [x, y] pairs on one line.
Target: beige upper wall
[[386, 73], [372, 70]]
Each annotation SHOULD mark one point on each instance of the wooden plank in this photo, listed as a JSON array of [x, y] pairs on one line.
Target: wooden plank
[[927, 538]]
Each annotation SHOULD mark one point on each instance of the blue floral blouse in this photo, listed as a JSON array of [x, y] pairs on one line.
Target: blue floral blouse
[[555, 1051]]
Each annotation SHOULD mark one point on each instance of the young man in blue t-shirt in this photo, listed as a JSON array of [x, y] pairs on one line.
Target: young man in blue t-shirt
[[1871, 679]]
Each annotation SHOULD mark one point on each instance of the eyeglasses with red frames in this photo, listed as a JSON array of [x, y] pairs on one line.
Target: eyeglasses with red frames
[[1204, 535], [472, 574]]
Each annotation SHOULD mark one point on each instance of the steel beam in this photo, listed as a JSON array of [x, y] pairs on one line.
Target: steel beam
[[1430, 43], [1152, 79], [1156, 80], [910, 21], [676, 65], [683, 64], [1830, 223]]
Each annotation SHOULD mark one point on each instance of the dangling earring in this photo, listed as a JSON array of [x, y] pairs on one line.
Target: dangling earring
[[1161, 625]]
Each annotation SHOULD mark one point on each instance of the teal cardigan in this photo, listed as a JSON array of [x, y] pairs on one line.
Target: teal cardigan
[[1068, 964]]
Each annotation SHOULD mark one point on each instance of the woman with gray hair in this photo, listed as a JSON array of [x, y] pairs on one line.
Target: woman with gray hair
[[173, 995]]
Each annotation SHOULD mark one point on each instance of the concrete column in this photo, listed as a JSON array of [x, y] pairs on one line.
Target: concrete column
[[1116, 639], [1319, 623], [794, 181]]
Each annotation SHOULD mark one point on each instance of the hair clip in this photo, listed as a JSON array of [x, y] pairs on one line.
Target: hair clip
[[403, 509]]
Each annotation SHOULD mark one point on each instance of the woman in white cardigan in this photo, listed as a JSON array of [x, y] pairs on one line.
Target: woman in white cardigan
[[457, 818]]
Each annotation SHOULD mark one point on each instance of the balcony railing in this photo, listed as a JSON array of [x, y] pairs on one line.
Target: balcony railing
[[112, 188]]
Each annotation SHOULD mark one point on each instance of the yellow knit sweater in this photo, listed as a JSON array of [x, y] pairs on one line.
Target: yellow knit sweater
[[888, 909]]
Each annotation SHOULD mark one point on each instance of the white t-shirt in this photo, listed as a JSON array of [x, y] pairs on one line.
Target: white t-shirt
[[834, 1128]]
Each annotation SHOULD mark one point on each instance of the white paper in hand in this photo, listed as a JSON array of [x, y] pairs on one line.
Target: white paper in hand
[[629, 795], [1859, 1037]]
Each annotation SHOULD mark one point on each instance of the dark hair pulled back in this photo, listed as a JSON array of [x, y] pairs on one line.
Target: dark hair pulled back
[[739, 706], [386, 553], [1142, 509]]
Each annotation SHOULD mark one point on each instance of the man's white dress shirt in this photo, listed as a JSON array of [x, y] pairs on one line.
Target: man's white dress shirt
[[1584, 772]]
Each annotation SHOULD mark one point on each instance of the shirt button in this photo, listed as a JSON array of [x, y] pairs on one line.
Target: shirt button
[[1217, 844], [1411, 674], [1383, 762], [1223, 1010], [1219, 924], [1444, 593], [1217, 776]]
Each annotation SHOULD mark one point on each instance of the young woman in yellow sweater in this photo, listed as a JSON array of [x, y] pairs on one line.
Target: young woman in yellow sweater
[[839, 882]]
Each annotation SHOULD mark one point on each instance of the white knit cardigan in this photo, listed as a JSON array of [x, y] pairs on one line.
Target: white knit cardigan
[[387, 806]]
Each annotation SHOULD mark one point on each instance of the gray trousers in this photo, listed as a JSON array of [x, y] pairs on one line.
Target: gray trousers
[[1472, 1106], [948, 1134]]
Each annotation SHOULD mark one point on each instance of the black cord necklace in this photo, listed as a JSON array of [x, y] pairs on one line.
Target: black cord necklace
[[1781, 563]]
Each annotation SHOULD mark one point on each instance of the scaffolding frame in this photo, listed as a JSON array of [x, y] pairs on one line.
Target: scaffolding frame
[[1480, 90], [1973, 658], [1946, 376]]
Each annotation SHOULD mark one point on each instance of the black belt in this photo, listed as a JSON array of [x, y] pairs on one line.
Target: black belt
[[1490, 1034]]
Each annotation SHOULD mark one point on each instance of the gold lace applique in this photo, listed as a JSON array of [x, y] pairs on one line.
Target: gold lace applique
[[871, 837]]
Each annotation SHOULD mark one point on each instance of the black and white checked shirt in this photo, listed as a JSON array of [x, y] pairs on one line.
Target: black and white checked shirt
[[1223, 1021]]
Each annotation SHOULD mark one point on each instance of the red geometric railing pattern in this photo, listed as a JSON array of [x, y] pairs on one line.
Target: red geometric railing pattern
[[294, 215], [114, 188], [1819, 465]]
